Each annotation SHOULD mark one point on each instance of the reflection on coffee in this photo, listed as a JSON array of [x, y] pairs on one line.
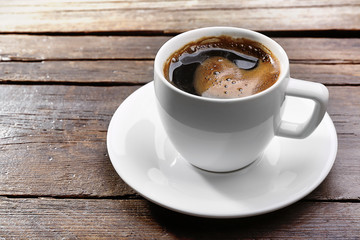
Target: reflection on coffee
[[222, 67]]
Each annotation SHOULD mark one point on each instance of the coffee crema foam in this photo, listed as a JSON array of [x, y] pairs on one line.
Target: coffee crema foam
[[222, 67]]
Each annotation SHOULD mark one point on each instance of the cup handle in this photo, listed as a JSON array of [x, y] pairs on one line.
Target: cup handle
[[310, 90]]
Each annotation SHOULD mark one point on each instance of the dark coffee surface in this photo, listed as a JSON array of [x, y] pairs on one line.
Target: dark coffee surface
[[222, 67]]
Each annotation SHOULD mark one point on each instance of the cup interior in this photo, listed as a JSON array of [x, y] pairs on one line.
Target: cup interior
[[181, 40]]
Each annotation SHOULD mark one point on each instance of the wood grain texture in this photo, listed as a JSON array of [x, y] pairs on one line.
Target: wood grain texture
[[40, 48], [166, 16], [116, 72], [117, 60], [139, 219], [43, 5], [331, 74], [53, 142], [84, 72], [66, 65]]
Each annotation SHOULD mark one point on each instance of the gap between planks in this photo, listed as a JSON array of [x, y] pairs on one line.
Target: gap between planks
[[137, 197], [334, 33]]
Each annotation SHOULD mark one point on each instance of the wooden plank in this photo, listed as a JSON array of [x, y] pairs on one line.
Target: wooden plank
[[139, 219], [312, 59], [90, 72], [165, 16], [53, 141], [38, 48], [139, 72], [334, 74], [323, 50], [43, 5]]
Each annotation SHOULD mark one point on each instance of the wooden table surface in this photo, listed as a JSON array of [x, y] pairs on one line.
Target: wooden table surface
[[65, 67]]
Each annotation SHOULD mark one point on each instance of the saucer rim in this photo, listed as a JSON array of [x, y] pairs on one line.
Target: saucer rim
[[273, 207]]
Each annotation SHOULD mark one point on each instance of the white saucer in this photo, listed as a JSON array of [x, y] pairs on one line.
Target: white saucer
[[145, 159]]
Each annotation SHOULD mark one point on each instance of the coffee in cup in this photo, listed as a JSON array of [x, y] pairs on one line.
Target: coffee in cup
[[222, 67]]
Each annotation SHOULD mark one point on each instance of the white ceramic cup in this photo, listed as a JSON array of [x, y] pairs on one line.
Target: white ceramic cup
[[224, 135]]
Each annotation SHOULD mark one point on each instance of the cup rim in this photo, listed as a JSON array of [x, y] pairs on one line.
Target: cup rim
[[284, 62]]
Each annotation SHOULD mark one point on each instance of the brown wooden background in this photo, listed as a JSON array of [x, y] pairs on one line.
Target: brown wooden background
[[65, 66]]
